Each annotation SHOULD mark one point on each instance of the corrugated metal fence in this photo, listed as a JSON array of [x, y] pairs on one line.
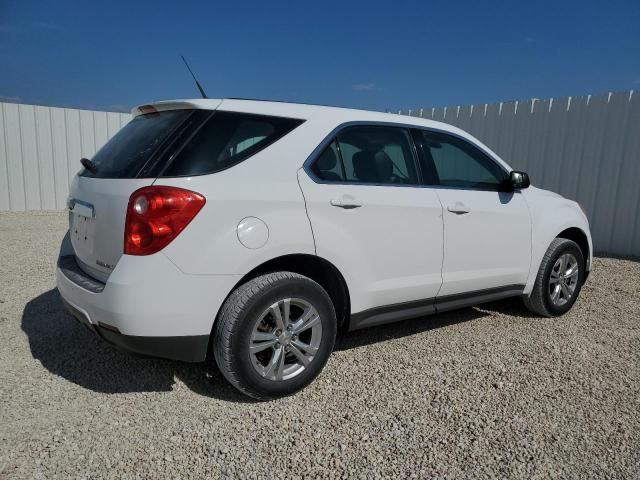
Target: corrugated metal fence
[[585, 148], [41, 148]]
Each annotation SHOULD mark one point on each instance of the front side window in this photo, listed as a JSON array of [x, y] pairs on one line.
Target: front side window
[[458, 164], [368, 154]]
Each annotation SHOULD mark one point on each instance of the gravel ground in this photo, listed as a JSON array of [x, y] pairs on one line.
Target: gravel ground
[[482, 392]]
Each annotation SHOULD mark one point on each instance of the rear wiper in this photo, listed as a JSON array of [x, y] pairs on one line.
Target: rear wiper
[[89, 165]]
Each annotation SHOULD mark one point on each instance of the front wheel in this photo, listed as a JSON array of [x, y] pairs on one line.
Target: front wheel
[[274, 334], [559, 279]]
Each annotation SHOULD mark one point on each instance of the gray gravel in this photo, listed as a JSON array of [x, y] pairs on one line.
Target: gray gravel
[[483, 392]]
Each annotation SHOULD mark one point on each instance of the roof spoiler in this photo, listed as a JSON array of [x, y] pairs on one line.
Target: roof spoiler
[[208, 104]]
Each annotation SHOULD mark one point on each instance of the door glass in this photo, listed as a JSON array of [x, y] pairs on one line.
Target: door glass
[[327, 166], [459, 164], [377, 155]]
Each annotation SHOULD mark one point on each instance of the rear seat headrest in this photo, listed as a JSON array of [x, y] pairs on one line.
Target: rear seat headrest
[[373, 166], [328, 160]]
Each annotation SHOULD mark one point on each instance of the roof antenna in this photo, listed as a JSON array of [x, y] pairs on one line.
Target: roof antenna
[[204, 95]]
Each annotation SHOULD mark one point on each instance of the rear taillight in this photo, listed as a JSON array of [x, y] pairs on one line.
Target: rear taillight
[[156, 215]]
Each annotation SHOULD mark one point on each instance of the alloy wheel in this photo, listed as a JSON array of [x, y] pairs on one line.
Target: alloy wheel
[[563, 279], [285, 339]]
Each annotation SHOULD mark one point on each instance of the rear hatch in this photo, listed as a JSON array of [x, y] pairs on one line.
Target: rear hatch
[[166, 140], [131, 159]]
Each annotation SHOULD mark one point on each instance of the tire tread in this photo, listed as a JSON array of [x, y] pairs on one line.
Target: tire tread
[[231, 314], [535, 300]]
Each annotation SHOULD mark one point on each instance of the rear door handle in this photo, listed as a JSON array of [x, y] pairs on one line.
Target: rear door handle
[[346, 201], [459, 208]]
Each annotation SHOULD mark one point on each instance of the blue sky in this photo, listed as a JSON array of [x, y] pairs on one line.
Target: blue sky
[[378, 55]]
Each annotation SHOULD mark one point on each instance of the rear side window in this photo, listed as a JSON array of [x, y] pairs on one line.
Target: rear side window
[[226, 139], [380, 155], [328, 165], [368, 154], [126, 153]]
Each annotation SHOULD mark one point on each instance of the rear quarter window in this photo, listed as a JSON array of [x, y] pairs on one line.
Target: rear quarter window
[[179, 143], [226, 139]]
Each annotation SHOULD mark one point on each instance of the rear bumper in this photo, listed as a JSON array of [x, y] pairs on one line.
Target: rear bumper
[[184, 348], [148, 306]]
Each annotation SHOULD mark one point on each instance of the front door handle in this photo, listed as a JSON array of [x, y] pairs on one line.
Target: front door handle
[[459, 208], [346, 201]]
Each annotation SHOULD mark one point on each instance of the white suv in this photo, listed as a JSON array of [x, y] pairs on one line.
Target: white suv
[[251, 232]]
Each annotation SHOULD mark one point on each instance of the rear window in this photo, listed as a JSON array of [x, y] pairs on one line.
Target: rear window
[[124, 155], [186, 142]]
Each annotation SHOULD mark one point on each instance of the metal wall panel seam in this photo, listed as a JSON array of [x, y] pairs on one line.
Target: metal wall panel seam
[[6, 155]]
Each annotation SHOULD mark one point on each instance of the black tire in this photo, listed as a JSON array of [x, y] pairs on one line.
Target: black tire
[[539, 301], [237, 318]]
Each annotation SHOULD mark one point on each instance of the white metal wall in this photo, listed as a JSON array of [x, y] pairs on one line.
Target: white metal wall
[[585, 148], [41, 148]]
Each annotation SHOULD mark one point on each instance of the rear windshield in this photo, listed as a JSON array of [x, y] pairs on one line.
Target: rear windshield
[[186, 142], [127, 152]]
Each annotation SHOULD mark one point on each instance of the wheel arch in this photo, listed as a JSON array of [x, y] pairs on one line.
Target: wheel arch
[[577, 235], [318, 269], [544, 234]]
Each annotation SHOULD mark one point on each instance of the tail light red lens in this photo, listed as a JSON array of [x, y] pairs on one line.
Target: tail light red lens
[[156, 215]]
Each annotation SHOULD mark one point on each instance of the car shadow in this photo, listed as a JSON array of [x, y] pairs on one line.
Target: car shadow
[[68, 349], [511, 306], [406, 328]]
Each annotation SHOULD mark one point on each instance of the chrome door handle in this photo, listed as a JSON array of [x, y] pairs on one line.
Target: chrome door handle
[[346, 201], [459, 208]]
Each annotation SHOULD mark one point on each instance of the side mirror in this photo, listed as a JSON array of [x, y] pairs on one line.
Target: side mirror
[[519, 180]]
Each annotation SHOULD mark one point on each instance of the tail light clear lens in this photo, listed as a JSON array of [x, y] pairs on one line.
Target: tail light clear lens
[[156, 215]]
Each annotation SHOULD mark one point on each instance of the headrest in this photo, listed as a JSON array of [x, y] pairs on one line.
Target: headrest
[[327, 160], [373, 167]]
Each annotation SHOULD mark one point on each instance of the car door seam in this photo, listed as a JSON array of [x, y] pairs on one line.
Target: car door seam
[[443, 243], [306, 210], [524, 197]]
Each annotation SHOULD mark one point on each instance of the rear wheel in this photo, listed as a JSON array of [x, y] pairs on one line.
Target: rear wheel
[[559, 279], [274, 334]]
